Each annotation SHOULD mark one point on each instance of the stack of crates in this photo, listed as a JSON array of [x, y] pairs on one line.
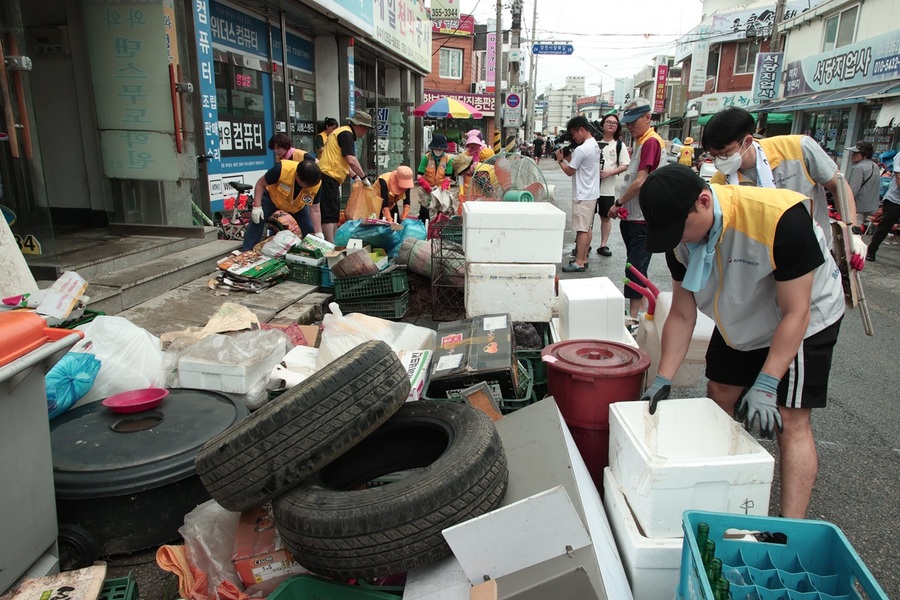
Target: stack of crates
[[532, 358], [384, 294], [120, 588]]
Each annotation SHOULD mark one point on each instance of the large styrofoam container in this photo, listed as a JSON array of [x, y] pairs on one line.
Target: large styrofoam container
[[219, 377], [526, 292], [513, 232], [652, 565], [650, 340], [591, 309], [689, 455]]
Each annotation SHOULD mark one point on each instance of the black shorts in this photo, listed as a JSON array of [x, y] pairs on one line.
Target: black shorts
[[329, 199], [634, 234], [805, 385], [604, 203]]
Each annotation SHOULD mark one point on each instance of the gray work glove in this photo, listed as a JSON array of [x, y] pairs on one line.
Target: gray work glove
[[760, 400], [658, 391]]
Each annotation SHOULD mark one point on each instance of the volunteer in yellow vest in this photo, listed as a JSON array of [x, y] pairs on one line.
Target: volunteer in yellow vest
[[435, 169], [394, 189], [646, 157], [289, 186], [337, 161], [463, 168], [788, 162], [326, 126], [755, 262], [284, 149], [686, 154]]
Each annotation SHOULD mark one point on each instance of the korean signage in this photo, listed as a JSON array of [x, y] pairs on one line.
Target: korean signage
[[244, 136], [512, 111], [676, 100], [300, 51], [699, 60], [490, 60], [713, 103], [767, 77], [870, 61], [464, 26], [130, 74], [659, 97], [444, 9], [403, 26], [360, 13], [564, 49], [238, 31], [208, 100], [483, 102], [382, 122]]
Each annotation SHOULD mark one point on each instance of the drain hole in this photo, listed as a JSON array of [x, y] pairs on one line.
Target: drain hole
[[145, 420]]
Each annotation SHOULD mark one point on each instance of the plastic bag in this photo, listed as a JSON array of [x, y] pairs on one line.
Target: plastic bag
[[208, 533], [130, 357], [280, 243], [413, 228], [344, 333], [364, 203], [69, 380], [377, 236]]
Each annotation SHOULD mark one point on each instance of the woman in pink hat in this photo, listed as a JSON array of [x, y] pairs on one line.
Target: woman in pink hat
[[393, 187]]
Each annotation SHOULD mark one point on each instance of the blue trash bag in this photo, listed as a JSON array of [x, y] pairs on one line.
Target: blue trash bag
[[376, 236], [69, 380], [413, 228]]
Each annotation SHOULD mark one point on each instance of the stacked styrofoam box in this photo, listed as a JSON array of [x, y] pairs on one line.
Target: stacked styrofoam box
[[592, 308], [689, 455], [688, 374], [221, 377], [512, 249]]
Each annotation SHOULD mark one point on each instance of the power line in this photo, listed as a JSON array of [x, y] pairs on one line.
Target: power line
[[450, 35]]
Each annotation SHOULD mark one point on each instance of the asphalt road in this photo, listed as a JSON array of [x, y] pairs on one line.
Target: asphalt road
[[858, 434]]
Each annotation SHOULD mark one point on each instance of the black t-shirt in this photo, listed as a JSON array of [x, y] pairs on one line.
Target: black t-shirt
[[385, 195], [347, 141], [538, 144], [796, 249], [274, 174]]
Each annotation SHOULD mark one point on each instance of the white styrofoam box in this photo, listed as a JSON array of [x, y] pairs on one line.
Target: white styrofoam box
[[526, 292], [652, 565], [650, 340], [513, 232], [689, 455], [301, 357], [591, 308], [220, 377]]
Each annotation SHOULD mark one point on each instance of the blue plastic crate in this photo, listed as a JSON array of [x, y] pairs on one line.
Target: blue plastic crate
[[815, 563]]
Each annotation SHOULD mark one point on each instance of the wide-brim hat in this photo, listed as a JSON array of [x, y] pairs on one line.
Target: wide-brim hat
[[400, 180], [438, 142], [461, 162], [363, 119], [474, 139]]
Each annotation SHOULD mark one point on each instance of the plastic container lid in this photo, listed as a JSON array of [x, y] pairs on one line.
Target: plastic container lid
[[595, 359], [22, 331], [98, 453]]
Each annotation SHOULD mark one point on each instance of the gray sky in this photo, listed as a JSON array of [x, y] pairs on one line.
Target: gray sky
[[612, 39]]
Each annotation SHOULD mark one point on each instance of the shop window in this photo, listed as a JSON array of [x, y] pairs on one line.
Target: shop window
[[239, 95], [451, 61], [745, 58], [712, 65], [840, 29]]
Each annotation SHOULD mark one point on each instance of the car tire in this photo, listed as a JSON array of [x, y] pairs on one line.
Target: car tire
[[336, 525], [303, 429]]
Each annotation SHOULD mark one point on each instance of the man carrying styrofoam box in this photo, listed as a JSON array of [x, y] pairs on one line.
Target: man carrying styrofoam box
[[754, 261]]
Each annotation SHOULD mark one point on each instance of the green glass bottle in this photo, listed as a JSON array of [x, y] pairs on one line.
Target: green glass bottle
[[714, 573], [709, 554], [723, 589], [702, 536]]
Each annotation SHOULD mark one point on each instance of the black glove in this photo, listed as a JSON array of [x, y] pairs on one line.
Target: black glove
[[658, 391]]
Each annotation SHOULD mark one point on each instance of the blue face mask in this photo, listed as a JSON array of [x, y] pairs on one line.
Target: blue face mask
[[700, 263]]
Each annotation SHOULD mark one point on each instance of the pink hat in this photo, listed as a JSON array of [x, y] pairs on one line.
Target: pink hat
[[474, 139]]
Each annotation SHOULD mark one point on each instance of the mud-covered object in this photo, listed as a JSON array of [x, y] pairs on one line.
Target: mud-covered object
[[527, 336]]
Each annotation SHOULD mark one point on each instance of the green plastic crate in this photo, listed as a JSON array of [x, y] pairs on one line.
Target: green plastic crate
[[120, 588], [308, 587], [88, 316], [385, 307], [533, 357], [304, 273], [365, 286], [507, 405], [326, 276]]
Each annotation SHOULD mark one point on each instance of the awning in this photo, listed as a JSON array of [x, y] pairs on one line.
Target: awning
[[772, 119], [670, 121], [890, 112], [845, 97]]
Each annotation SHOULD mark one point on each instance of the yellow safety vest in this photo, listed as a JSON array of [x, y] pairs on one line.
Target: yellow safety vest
[[332, 161], [282, 191], [393, 199], [297, 155], [436, 171]]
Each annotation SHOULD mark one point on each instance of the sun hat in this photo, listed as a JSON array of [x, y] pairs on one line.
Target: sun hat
[[461, 162], [363, 119], [637, 109], [438, 142], [401, 179], [474, 139]]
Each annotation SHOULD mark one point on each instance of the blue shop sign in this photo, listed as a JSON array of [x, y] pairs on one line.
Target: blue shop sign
[[300, 53], [238, 31]]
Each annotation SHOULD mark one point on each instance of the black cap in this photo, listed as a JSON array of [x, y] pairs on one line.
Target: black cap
[[667, 197]]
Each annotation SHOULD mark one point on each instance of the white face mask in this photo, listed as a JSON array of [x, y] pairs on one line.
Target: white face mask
[[438, 153], [732, 164]]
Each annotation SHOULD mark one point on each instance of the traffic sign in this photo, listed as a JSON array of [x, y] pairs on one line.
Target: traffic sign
[[513, 100], [564, 49]]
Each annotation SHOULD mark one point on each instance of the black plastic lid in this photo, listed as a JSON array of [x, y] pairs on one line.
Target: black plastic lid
[[98, 453]]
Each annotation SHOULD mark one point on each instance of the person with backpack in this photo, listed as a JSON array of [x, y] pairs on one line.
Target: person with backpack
[[614, 159]]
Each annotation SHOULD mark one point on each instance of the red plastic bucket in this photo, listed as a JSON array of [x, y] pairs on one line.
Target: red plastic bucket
[[585, 377]]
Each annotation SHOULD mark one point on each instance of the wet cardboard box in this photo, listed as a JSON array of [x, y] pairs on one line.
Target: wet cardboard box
[[471, 351], [259, 554]]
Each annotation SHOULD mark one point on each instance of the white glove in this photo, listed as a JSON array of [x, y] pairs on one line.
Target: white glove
[[366, 182], [319, 235], [858, 245], [257, 214]]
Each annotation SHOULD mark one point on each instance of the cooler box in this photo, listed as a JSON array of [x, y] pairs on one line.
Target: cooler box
[[652, 565], [689, 455], [28, 530], [694, 365], [513, 232], [592, 308], [526, 292]]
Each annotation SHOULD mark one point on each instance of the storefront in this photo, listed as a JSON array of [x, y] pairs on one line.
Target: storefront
[[455, 129]]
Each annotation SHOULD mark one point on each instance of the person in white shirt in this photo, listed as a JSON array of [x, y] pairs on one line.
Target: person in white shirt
[[583, 166]]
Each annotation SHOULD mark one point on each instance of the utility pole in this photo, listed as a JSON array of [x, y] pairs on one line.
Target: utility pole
[[514, 47], [774, 46], [498, 62], [532, 94]]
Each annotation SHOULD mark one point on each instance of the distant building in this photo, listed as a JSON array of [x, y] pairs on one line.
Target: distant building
[[561, 104]]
